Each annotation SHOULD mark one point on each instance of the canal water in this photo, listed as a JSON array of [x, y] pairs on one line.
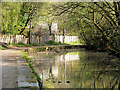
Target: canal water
[[76, 69]]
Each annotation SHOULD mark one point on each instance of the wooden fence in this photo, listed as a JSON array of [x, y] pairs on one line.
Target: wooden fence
[[36, 39]]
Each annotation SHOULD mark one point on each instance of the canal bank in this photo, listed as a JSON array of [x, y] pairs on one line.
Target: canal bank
[[91, 69], [53, 56], [15, 71]]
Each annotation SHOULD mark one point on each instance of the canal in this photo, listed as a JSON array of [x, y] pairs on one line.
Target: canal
[[76, 68]]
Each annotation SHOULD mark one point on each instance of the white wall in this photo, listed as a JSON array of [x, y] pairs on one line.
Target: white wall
[[35, 39], [66, 38]]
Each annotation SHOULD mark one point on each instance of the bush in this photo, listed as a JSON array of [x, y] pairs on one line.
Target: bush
[[35, 44], [1, 47], [51, 42], [24, 45], [18, 44], [76, 42]]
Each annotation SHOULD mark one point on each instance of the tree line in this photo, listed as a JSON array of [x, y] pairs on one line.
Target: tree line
[[97, 23]]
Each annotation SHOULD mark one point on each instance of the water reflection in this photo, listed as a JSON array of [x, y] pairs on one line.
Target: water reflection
[[83, 69]]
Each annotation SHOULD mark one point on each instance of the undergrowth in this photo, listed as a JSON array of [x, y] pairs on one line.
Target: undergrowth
[[2, 48]]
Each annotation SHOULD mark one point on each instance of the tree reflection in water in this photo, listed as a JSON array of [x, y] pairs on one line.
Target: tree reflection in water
[[82, 69]]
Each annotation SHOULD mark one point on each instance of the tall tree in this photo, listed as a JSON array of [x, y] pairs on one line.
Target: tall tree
[[97, 22], [16, 16]]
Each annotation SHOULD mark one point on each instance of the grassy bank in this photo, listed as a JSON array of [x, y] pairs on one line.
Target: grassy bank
[[2, 48], [76, 43], [28, 60], [24, 45], [51, 42]]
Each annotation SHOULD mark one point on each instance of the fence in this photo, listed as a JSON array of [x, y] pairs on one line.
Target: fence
[[35, 39], [13, 38], [66, 38]]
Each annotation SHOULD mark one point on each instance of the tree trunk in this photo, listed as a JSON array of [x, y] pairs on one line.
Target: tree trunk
[[14, 38], [39, 39], [29, 39], [63, 35], [50, 32]]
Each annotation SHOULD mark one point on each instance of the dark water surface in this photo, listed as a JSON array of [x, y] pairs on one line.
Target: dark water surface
[[77, 69]]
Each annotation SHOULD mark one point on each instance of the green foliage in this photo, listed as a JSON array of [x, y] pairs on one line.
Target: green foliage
[[51, 42], [41, 49], [93, 22], [25, 45], [18, 44], [2, 48], [118, 40], [76, 42], [16, 16], [10, 20]]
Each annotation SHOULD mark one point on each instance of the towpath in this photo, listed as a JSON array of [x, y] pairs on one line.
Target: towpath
[[15, 72]]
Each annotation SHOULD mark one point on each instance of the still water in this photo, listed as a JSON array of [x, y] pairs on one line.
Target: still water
[[77, 69]]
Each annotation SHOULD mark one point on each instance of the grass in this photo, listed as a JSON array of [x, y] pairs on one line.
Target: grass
[[76, 43], [28, 60], [2, 48], [51, 42], [24, 45]]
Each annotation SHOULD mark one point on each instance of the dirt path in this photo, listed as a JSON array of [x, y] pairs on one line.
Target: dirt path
[[9, 68], [15, 72]]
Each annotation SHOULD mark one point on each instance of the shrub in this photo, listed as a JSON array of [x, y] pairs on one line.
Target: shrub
[[51, 42], [1, 47]]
